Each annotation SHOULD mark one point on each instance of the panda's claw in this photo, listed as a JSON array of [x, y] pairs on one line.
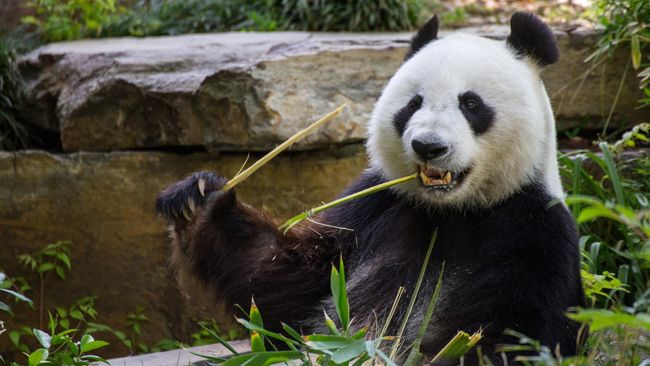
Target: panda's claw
[[201, 184], [182, 199]]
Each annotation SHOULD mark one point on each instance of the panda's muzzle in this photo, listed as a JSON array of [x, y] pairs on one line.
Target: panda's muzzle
[[436, 179]]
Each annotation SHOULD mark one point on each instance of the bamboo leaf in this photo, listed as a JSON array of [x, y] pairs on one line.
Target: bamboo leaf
[[337, 283], [458, 346], [635, 47], [257, 342], [347, 353], [612, 171]]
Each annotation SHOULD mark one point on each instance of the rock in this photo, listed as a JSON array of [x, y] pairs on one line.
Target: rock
[[103, 203], [250, 91]]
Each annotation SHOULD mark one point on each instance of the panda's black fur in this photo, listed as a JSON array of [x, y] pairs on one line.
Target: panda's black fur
[[512, 265]]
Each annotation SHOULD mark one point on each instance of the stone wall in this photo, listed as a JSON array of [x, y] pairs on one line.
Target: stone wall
[[103, 203], [250, 91]]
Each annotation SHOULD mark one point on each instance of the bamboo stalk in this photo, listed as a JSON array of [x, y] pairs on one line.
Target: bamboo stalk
[[368, 191], [414, 295], [283, 146]]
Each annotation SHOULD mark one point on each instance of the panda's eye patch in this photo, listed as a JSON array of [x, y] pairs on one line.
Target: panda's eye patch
[[479, 115], [415, 103], [402, 116]]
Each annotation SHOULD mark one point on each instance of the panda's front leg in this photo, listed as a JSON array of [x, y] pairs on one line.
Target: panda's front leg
[[239, 252]]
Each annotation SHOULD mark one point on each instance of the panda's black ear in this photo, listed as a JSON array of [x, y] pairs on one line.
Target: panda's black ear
[[426, 34], [530, 36]]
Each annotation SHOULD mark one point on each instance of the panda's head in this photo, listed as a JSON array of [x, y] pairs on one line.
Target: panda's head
[[470, 114]]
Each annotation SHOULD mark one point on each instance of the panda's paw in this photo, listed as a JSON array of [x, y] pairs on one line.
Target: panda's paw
[[181, 200]]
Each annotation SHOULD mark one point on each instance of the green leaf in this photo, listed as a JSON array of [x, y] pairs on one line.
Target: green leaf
[[605, 319], [38, 356], [257, 342], [292, 332], [322, 342], [45, 267], [14, 336], [458, 346], [339, 293], [17, 295], [329, 323], [76, 314], [87, 338], [635, 47], [352, 350], [43, 338], [612, 171], [93, 345], [63, 257], [5, 307], [255, 316], [219, 339], [250, 326]]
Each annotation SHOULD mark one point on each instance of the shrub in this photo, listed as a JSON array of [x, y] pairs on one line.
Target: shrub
[[65, 20], [13, 133]]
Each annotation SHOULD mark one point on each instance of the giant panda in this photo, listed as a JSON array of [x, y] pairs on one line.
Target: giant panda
[[472, 117]]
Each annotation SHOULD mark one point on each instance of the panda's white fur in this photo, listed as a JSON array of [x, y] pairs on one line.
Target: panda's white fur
[[517, 149]]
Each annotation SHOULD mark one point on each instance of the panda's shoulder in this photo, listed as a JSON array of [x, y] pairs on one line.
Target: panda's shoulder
[[537, 216]]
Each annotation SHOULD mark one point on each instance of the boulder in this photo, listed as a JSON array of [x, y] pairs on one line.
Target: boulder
[[250, 91], [103, 203]]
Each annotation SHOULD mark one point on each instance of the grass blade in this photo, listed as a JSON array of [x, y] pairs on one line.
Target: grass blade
[[613, 173], [414, 295], [415, 357]]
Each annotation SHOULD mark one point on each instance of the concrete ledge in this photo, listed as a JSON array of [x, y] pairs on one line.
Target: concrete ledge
[[180, 357]]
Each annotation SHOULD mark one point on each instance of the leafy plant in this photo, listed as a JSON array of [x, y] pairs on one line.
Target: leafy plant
[[53, 259], [13, 133], [343, 345], [359, 15], [625, 23], [64, 20]]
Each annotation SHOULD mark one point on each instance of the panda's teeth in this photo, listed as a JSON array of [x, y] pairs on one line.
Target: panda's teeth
[[447, 178]]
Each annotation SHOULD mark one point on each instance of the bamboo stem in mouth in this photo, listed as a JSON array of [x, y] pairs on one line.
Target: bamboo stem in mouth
[[283, 146], [368, 191]]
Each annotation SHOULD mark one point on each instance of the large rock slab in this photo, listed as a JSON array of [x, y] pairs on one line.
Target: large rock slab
[[250, 91], [103, 203]]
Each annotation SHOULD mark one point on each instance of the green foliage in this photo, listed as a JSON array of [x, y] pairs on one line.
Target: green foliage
[[58, 346], [168, 17], [626, 23], [343, 345], [13, 133], [613, 212], [65, 20], [337, 15]]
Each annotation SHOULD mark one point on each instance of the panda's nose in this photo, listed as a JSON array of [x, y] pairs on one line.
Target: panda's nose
[[429, 150]]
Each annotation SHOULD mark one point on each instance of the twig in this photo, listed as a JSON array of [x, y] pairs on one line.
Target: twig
[[283, 146]]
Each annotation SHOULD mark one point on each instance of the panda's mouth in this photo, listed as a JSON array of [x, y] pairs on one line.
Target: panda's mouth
[[433, 178]]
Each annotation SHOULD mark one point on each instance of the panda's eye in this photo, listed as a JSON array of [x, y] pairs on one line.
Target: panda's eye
[[468, 103], [479, 114]]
